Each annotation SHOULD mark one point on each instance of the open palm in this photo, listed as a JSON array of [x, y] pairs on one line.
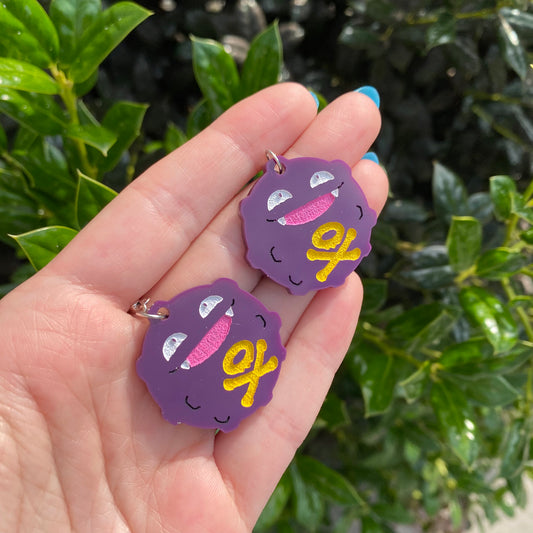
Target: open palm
[[83, 446]]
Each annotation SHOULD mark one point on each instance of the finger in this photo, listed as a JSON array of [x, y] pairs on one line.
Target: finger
[[253, 457], [353, 122], [138, 237]]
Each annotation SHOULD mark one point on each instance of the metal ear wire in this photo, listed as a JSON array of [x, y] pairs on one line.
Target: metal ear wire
[[279, 165], [140, 308]]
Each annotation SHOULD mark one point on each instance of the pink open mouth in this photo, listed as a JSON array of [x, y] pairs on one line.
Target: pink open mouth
[[210, 343], [309, 211]]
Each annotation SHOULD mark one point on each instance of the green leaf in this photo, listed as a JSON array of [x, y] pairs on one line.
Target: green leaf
[[262, 66], [443, 31], [467, 352], [38, 112], [449, 193], [512, 50], [393, 512], [500, 263], [71, 18], [374, 371], [491, 315], [515, 448], [414, 386], [19, 212], [106, 31], [329, 483], [375, 294], [369, 525], [96, 136], [42, 245], [502, 191], [174, 138], [309, 505], [201, 116], [27, 33], [216, 74], [91, 197], [124, 120], [3, 139], [456, 421], [463, 242], [25, 77], [275, 505], [421, 326], [50, 180], [333, 413], [518, 18], [527, 236], [490, 391]]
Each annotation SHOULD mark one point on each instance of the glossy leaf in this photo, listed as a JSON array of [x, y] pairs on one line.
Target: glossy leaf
[[369, 525], [96, 136], [25, 77], [490, 391], [518, 18], [51, 182], [216, 74], [91, 197], [491, 315], [42, 245], [500, 263], [123, 120], [502, 191], [309, 504], [71, 18], [515, 448], [375, 373], [463, 242], [262, 66], [512, 49], [443, 31], [200, 117], [39, 113], [329, 483], [19, 212], [414, 386], [106, 31], [375, 294], [421, 326], [467, 352], [449, 193], [456, 421], [27, 33], [275, 505], [174, 138]]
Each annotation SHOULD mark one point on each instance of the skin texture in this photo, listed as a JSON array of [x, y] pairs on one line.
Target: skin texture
[[83, 446]]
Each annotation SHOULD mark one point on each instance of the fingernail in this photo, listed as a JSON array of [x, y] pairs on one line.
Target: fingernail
[[371, 92], [371, 156], [315, 98]]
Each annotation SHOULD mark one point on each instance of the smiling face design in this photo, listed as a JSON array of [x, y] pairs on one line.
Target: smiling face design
[[215, 359], [309, 227]]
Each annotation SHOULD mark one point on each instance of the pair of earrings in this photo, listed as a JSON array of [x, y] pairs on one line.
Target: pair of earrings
[[212, 354]]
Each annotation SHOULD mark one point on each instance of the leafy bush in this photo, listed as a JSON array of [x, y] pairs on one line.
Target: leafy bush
[[429, 420]]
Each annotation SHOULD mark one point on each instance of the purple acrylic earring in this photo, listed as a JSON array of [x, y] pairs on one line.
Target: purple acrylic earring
[[307, 223], [211, 356]]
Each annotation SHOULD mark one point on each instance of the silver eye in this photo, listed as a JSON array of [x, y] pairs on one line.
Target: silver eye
[[278, 197], [318, 178], [209, 304], [172, 344]]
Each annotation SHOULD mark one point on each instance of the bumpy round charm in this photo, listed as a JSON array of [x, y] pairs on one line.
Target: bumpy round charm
[[307, 223], [215, 359]]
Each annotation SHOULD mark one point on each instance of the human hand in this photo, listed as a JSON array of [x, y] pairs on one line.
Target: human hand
[[83, 445]]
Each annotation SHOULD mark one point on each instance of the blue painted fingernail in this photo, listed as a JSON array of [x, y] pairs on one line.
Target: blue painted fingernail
[[371, 156], [315, 98], [371, 92]]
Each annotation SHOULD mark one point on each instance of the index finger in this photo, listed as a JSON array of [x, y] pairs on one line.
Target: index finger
[[128, 247]]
